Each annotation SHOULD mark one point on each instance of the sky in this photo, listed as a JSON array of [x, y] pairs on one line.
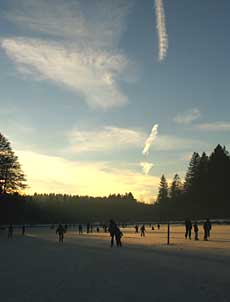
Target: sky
[[104, 96]]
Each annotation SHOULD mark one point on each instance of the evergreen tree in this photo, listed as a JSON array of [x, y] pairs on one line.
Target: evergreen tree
[[192, 173], [163, 190], [12, 178], [176, 187]]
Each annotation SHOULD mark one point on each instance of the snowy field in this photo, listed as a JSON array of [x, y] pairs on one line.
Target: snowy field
[[37, 268]]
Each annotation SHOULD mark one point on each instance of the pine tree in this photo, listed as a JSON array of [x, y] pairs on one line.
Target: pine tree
[[12, 178], [163, 190], [192, 173], [176, 187]]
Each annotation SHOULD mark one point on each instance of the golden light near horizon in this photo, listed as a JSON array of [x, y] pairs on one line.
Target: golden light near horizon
[[47, 174]]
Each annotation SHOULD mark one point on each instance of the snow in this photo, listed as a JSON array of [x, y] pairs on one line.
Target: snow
[[37, 268]]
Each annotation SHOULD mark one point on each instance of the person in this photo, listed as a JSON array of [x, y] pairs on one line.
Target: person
[[118, 235], [188, 229], [10, 231], [112, 230], [98, 230], [23, 230], [87, 228], [91, 228], [196, 230], [60, 231], [158, 226], [153, 228], [136, 229], [207, 228], [80, 229], [143, 230]]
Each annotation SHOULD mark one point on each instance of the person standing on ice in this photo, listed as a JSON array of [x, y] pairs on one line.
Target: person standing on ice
[[207, 228], [118, 235], [60, 231], [188, 229], [136, 229], [143, 231], [196, 230], [112, 230]]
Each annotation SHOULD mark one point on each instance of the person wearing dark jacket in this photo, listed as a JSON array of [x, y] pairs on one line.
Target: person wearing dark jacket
[[112, 230], [60, 231], [118, 235]]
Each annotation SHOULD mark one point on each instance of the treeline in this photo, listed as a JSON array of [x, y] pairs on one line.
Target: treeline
[[204, 192], [59, 208]]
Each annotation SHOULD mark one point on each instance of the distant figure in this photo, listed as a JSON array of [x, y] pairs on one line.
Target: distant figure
[[60, 231], [118, 235], [196, 230], [153, 228], [143, 230], [23, 230], [207, 228], [158, 226], [112, 230], [105, 228], [136, 229], [80, 229], [10, 231], [98, 230], [188, 229], [91, 228], [87, 228]]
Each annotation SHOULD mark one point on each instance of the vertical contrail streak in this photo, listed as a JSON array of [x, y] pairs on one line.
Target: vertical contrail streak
[[161, 29]]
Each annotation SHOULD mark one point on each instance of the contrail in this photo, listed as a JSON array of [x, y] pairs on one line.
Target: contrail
[[150, 139], [146, 167], [161, 29]]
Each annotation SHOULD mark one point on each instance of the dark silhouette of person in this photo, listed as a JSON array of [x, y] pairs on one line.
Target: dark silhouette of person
[[10, 231], [91, 228], [196, 230], [118, 235], [153, 228], [158, 226], [60, 231], [23, 230], [112, 231], [143, 230], [87, 228], [207, 228], [188, 229], [80, 229], [136, 229], [98, 230]]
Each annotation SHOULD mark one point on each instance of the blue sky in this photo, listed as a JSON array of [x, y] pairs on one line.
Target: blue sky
[[82, 84]]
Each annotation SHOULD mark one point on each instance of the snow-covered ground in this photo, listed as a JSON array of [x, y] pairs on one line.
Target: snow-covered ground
[[37, 268]]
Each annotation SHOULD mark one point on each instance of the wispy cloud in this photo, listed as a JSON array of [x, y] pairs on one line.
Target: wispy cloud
[[151, 138], [81, 51], [161, 29], [146, 167], [188, 116], [104, 139], [215, 126]]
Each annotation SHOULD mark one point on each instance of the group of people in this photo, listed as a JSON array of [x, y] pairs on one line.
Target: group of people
[[143, 229], [11, 231], [207, 226]]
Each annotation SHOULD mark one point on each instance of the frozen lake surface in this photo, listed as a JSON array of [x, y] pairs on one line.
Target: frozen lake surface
[[37, 268]]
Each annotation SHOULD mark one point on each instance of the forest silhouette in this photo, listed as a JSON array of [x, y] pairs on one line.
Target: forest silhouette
[[204, 193]]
